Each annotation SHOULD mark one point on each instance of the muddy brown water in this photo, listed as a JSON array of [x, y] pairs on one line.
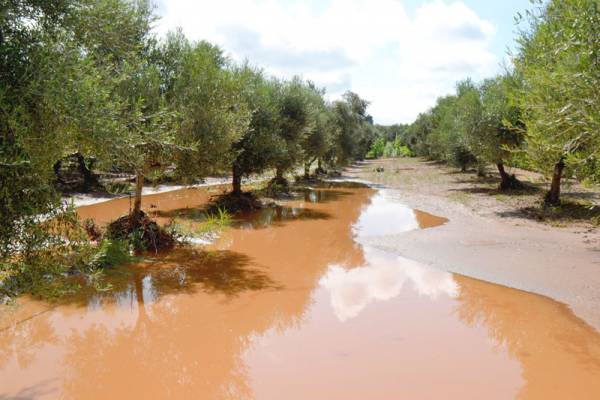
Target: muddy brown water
[[287, 304]]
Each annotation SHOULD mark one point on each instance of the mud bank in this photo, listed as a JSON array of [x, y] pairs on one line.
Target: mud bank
[[562, 263]]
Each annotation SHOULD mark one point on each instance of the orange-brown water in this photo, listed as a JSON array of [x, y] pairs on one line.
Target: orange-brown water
[[288, 304]]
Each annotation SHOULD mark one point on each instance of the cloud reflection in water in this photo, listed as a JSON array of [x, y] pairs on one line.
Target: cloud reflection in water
[[382, 279], [383, 276], [384, 216]]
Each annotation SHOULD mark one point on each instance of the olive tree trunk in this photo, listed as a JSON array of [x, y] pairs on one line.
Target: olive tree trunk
[[507, 181], [307, 166], [504, 177], [136, 212], [553, 196], [320, 169], [89, 179], [236, 181], [278, 173]]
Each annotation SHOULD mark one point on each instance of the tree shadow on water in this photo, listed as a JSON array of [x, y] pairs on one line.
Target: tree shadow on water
[[261, 218], [277, 217], [184, 270], [224, 272], [322, 196]]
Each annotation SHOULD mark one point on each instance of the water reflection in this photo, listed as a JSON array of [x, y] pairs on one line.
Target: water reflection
[[386, 216], [559, 354], [382, 279], [277, 216], [321, 196]]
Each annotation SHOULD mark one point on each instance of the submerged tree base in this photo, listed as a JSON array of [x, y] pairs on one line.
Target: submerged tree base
[[278, 186], [310, 180], [142, 232], [236, 202]]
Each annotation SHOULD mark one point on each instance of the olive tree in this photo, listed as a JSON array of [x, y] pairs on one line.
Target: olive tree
[[256, 149], [200, 83], [353, 139], [499, 132], [321, 130], [559, 61], [40, 72], [294, 125]]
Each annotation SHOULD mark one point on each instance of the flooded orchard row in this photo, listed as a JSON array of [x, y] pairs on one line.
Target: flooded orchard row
[[288, 303]]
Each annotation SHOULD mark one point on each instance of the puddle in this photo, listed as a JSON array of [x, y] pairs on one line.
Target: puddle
[[386, 216], [288, 304]]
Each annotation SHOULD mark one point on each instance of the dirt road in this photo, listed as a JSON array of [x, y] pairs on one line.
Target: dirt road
[[492, 236]]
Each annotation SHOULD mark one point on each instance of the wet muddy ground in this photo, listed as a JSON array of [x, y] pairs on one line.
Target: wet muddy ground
[[481, 242], [292, 302]]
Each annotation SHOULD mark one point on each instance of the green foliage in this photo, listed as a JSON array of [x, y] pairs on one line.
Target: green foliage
[[321, 128], [117, 187], [404, 151], [377, 148], [356, 131], [294, 124], [200, 84], [204, 224], [52, 254], [217, 221], [559, 62], [447, 140], [110, 253], [477, 125], [256, 150], [543, 116], [389, 149]]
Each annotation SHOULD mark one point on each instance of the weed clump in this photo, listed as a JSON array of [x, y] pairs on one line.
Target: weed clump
[[202, 225]]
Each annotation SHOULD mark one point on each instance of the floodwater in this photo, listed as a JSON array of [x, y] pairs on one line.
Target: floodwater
[[287, 304]]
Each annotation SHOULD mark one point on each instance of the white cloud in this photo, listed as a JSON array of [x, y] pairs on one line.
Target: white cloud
[[399, 62]]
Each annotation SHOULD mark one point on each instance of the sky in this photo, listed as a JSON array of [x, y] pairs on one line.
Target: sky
[[400, 55]]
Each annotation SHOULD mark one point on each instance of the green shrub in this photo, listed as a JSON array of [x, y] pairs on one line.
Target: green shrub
[[110, 253], [118, 187], [377, 148], [404, 151]]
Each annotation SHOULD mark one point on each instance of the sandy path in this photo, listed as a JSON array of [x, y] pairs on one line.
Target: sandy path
[[562, 263]]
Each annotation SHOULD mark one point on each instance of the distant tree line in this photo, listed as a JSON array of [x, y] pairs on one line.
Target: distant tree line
[[543, 114], [389, 142]]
